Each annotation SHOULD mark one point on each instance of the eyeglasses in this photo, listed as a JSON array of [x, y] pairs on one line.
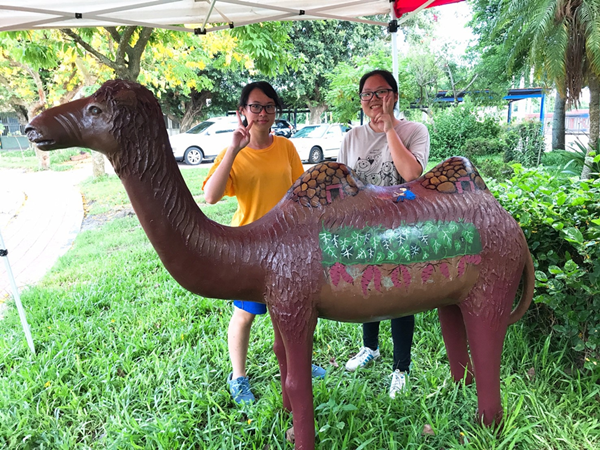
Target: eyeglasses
[[256, 108], [366, 96]]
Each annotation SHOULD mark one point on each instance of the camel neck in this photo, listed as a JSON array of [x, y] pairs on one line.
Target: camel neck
[[197, 252]]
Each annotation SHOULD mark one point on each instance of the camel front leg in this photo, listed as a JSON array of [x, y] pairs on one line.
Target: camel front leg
[[279, 349], [298, 380]]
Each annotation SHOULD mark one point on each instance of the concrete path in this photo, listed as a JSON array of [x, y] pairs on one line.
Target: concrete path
[[40, 216]]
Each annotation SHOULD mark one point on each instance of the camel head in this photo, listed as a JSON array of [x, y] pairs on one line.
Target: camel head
[[108, 121]]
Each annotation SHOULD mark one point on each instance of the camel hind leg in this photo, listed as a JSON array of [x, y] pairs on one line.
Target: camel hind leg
[[455, 340], [486, 340]]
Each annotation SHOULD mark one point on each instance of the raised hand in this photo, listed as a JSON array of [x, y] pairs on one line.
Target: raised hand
[[386, 117], [241, 135]]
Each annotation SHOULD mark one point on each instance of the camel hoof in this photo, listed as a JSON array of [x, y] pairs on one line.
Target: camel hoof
[[290, 436]]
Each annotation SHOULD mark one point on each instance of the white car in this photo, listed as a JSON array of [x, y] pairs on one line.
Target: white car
[[315, 143], [204, 141]]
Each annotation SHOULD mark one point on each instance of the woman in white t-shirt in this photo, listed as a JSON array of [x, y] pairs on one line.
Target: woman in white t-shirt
[[386, 151]]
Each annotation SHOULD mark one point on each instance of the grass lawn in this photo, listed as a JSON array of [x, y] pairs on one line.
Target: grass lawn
[[127, 359], [26, 159]]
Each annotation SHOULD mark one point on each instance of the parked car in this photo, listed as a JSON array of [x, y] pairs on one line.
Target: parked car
[[204, 141], [318, 142], [282, 127]]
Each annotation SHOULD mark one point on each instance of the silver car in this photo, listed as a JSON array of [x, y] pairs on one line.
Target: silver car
[[204, 141], [318, 142]]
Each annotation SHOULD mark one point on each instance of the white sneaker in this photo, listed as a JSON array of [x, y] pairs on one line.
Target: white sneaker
[[398, 382], [362, 358]]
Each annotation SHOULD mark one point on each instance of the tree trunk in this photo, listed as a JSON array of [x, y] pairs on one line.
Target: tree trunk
[[98, 168], [315, 113], [193, 109], [43, 158], [594, 85], [558, 123]]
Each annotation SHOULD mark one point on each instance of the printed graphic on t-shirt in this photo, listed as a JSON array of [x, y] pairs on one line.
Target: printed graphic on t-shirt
[[373, 170]]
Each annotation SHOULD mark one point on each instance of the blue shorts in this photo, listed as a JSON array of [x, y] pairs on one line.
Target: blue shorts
[[251, 307]]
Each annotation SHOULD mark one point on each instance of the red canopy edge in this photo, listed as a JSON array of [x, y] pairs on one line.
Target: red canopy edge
[[402, 7]]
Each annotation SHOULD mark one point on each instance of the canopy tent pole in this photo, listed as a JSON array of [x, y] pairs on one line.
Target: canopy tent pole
[[15, 289], [393, 30]]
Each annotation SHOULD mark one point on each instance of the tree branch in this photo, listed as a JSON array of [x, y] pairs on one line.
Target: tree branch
[[472, 81], [78, 40], [123, 41], [114, 33]]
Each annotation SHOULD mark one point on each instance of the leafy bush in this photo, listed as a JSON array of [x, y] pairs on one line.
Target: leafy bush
[[481, 146], [577, 158], [561, 221], [556, 159], [452, 127], [493, 168], [525, 143]]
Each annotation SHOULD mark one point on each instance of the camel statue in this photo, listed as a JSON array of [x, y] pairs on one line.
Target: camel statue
[[332, 248]]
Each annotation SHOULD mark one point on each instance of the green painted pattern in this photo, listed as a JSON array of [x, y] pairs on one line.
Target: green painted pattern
[[407, 244]]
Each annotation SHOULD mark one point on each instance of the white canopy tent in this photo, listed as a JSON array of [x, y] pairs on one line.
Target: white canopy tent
[[194, 15], [180, 15]]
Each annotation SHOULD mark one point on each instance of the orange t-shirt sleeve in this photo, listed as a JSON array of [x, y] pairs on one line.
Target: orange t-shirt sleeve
[[229, 190], [296, 163]]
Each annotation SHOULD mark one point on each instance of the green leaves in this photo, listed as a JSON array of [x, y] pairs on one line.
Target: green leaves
[[573, 235], [560, 218]]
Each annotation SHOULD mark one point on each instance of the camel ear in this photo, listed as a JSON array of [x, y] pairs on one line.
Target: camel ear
[[125, 97]]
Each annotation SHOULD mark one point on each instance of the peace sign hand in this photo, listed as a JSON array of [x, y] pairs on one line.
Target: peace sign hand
[[241, 135], [387, 115]]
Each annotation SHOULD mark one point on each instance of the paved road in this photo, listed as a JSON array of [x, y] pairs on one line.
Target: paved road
[[40, 215]]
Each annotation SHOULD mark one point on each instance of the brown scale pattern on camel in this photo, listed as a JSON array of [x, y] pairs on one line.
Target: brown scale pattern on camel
[[321, 183], [278, 260], [448, 176]]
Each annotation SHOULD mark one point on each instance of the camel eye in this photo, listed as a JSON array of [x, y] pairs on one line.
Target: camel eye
[[94, 110]]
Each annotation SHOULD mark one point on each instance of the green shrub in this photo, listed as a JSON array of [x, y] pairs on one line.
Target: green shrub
[[481, 146], [453, 126], [561, 221], [525, 143], [556, 159], [64, 155], [493, 168], [578, 157]]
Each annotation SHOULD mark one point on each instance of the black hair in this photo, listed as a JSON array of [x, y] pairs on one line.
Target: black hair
[[266, 88], [387, 76]]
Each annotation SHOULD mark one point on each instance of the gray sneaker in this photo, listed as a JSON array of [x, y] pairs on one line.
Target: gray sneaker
[[240, 389], [362, 358]]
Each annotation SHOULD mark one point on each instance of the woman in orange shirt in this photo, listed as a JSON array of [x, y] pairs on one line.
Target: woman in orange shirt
[[258, 168]]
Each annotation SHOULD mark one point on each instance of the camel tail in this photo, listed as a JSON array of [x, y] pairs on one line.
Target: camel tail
[[526, 292]]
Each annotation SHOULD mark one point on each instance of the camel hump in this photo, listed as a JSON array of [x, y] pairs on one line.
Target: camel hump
[[454, 175], [323, 183]]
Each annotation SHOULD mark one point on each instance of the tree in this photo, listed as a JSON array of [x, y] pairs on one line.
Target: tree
[[38, 69], [342, 95], [560, 41], [320, 46], [126, 45], [173, 63], [558, 122]]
